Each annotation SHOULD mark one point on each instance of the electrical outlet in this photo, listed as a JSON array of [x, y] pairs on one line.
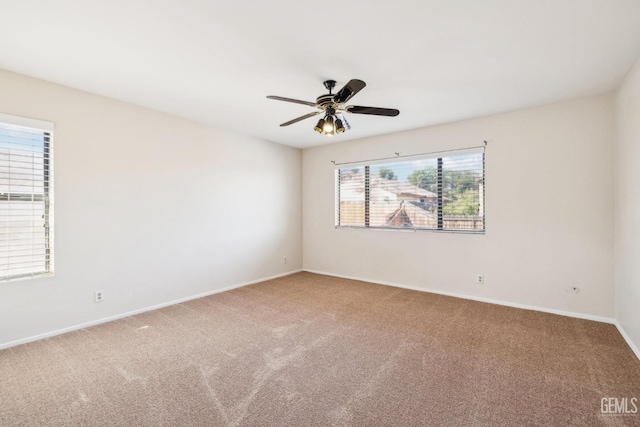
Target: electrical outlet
[[285, 260], [99, 296], [480, 279]]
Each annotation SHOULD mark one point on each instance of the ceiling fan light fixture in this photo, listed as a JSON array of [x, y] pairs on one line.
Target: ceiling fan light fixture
[[339, 126], [328, 125], [320, 126]]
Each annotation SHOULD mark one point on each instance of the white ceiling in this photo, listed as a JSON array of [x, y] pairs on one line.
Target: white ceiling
[[215, 61]]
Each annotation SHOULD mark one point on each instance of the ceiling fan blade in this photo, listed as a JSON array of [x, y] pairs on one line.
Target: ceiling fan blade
[[374, 111], [346, 93], [297, 101], [306, 116]]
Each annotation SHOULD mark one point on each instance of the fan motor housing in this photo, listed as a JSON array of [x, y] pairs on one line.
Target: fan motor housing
[[325, 101]]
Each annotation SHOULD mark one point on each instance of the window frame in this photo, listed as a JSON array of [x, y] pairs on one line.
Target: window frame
[[47, 128], [438, 156]]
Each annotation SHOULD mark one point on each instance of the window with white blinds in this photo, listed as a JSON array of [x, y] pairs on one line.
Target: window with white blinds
[[442, 192], [26, 197]]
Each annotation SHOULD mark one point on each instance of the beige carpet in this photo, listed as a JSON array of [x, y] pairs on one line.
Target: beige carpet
[[309, 350]]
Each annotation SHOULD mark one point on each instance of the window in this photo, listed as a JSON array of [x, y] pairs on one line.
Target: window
[[26, 197], [443, 191]]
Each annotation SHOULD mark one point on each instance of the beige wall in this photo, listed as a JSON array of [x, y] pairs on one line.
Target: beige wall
[[152, 209], [149, 208], [549, 207], [627, 206]]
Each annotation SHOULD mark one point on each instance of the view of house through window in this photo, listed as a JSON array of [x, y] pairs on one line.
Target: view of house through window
[[433, 193], [25, 198]]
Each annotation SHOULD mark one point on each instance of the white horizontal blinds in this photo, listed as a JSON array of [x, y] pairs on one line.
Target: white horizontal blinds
[[442, 192], [25, 205], [351, 197]]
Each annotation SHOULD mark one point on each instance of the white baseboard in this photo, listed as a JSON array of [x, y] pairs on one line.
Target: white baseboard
[[474, 298], [627, 338], [134, 312]]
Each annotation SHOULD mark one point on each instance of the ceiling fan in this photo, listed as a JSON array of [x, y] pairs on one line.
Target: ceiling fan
[[333, 108]]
